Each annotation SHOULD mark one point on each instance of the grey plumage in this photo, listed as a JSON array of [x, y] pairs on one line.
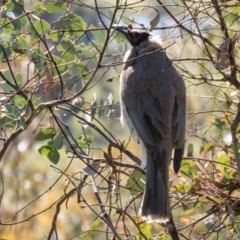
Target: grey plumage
[[153, 102]]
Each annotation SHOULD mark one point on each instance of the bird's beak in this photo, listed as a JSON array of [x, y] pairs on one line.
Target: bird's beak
[[121, 29]]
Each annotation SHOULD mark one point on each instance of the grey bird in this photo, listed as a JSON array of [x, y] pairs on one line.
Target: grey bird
[[153, 103]]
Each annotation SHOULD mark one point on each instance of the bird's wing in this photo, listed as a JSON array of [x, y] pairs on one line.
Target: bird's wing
[[155, 103], [179, 122]]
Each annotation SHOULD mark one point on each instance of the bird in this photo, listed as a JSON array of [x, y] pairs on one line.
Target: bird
[[153, 103]]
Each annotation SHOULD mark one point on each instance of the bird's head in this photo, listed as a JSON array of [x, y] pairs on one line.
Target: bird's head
[[134, 36]]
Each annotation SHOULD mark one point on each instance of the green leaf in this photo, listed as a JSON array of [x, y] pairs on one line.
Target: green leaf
[[32, 33], [88, 54], [93, 108], [80, 69], [5, 50], [190, 150], [221, 125], [54, 156], [45, 150], [199, 202], [53, 35], [37, 56], [56, 7], [97, 34], [20, 43], [58, 141], [45, 133], [6, 121], [208, 147], [9, 78], [50, 152], [126, 20], [19, 100], [38, 8], [41, 26], [189, 211], [110, 14], [136, 181], [71, 24], [18, 78], [146, 230], [118, 37], [224, 159], [101, 109], [212, 177], [85, 141], [59, 61], [185, 168]]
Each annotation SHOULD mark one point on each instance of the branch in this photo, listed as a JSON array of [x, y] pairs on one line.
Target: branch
[[234, 126]]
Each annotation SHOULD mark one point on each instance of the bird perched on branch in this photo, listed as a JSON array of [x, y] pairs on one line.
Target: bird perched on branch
[[153, 102]]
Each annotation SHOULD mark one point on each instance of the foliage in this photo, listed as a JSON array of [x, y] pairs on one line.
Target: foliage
[[60, 61]]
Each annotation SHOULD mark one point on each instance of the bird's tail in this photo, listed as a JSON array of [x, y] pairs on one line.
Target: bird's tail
[[155, 204]]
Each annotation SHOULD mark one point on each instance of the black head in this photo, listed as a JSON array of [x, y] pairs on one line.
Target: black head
[[134, 36]]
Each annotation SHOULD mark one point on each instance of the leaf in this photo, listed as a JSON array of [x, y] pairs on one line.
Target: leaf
[[219, 124], [154, 22], [56, 7], [136, 181], [80, 69], [146, 229], [100, 109], [185, 168], [32, 32], [197, 204], [41, 26], [45, 150], [118, 37], [97, 34], [58, 141], [38, 8], [6, 121], [93, 108], [85, 141], [66, 45], [61, 65], [126, 20], [20, 44], [71, 24], [19, 101], [37, 56], [5, 51], [54, 156], [45, 133], [89, 55], [188, 212], [7, 78], [18, 78], [224, 159], [223, 53], [190, 150], [50, 152], [110, 14], [208, 147]]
